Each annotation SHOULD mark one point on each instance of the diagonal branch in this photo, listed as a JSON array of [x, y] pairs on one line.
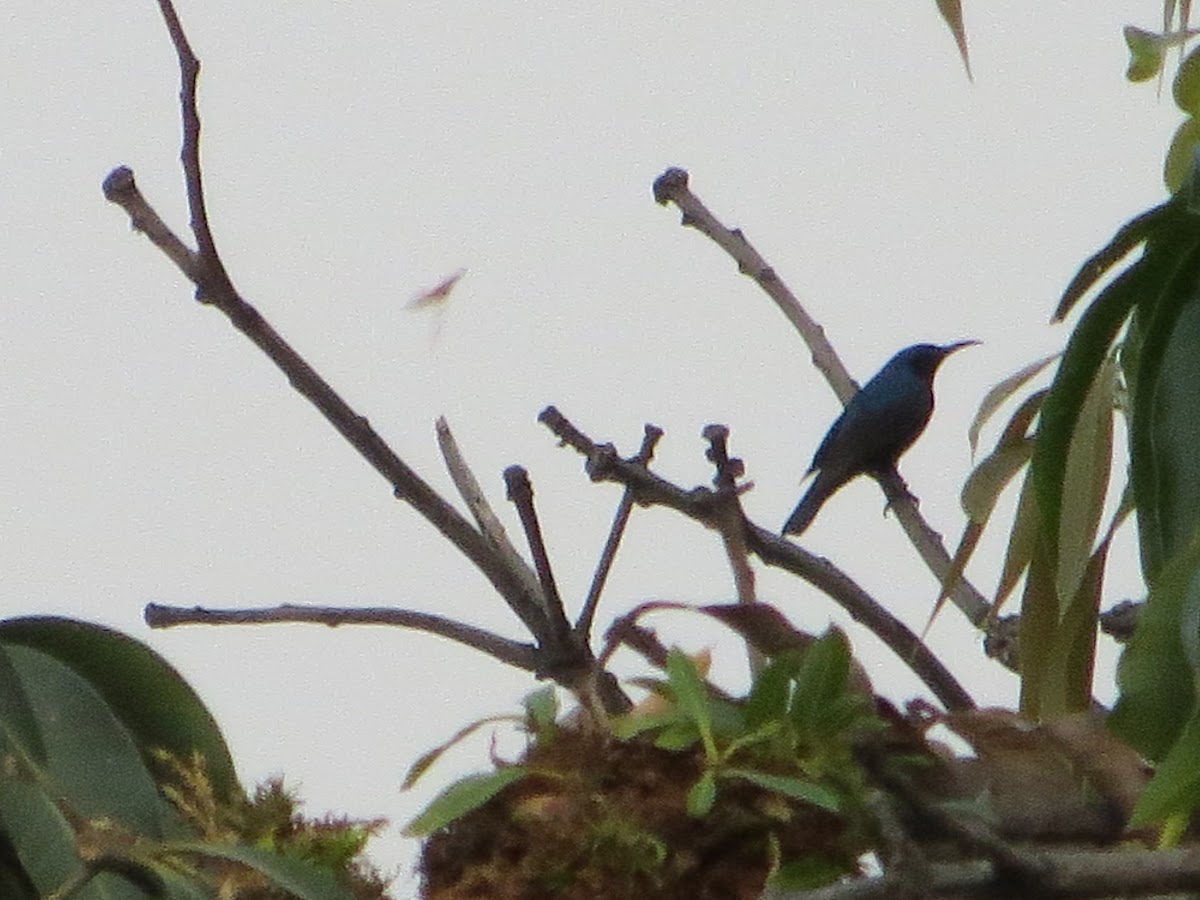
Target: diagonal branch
[[672, 187]]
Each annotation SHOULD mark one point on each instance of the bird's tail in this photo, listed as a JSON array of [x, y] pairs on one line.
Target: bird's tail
[[810, 504]]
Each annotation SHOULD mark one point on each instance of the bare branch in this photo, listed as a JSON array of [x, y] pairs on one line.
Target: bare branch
[[213, 286], [701, 504], [557, 630], [731, 523], [672, 187], [468, 488], [522, 656], [583, 626]]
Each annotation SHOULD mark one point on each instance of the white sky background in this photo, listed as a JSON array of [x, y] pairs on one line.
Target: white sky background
[[358, 153]]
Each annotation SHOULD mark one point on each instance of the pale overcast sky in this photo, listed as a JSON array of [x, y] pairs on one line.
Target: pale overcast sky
[[357, 153]]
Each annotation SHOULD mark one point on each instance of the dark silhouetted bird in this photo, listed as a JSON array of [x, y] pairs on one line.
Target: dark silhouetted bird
[[879, 423]]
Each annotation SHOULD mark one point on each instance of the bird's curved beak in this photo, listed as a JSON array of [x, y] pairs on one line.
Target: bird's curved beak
[[947, 349]]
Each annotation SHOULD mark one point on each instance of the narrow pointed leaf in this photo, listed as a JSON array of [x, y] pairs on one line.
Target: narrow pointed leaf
[[1089, 462], [461, 798], [999, 394]]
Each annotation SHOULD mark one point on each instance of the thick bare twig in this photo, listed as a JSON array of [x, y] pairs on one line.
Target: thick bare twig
[[672, 187], [583, 626], [557, 632], [605, 464], [523, 656]]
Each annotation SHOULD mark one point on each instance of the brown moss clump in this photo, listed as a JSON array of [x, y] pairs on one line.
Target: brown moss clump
[[608, 819]]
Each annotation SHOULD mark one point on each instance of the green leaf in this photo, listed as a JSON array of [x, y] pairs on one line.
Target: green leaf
[[1186, 87], [796, 788], [541, 709], [1166, 420], [679, 735], [460, 798], [1021, 542], [1181, 154], [1175, 787], [1145, 54], [817, 711], [808, 873], [18, 726], [300, 878], [1129, 236], [771, 690], [703, 795], [988, 480], [150, 697], [1158, 692], [692, 696], [38, 832], [996, 397], [92, 763], [1173, 243], [1089, 462]]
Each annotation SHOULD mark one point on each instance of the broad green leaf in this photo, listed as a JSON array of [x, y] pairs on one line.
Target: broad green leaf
[[93, 764], [300, 878], [797, 788], [460, 798], [1145, 54], [1089, 462], [999, 394], [18, 726], [820, 685], [1158, 693], [151, 699], [1166, 421], [771, 690], [1175, 787], [703, 795], [807, 873], [1181, 154], [1186, 87], [39, 833], [427, 759], [692, 696]]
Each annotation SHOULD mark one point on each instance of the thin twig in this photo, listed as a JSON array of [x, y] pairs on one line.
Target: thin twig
[[732, 525], [672, 187], [520, 492], [485, 517], [522, 656], [583, 626], [703, 505]]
